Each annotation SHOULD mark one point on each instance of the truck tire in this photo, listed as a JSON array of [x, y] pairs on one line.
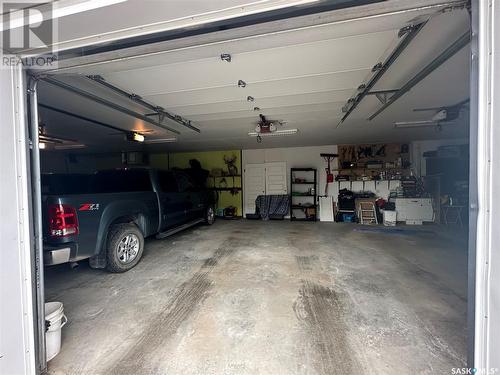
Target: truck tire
[[125, 246], [210, 215]]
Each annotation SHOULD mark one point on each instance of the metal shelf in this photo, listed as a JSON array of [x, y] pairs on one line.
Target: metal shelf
[[225, 189], [238, 189], [236, 175], [370, 169], [313, 196]]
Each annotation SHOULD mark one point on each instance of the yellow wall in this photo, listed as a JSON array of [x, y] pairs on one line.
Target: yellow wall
[[208, 160], [158, 161]]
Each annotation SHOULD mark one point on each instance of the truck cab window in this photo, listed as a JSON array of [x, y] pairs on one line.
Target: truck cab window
[[184, 182], [122, 181], [167, 182]]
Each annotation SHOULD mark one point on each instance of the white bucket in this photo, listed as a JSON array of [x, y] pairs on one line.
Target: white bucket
[[54, 314], [390, 218]]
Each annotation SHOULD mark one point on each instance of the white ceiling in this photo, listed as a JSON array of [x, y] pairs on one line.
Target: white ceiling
[[300, 76]]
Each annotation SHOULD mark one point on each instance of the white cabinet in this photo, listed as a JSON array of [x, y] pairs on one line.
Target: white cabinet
[[255, 185], [263, 179], [414, 211], [276, 182]]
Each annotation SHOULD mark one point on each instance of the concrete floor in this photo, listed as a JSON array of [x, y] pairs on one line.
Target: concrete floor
[[248, 297]]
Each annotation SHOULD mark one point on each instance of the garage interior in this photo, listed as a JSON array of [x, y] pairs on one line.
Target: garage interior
[[312, 292]]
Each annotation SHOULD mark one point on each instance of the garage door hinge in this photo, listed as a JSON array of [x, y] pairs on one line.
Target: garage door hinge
[[405, 30], [376, 67], [96, 77], [135, 97]]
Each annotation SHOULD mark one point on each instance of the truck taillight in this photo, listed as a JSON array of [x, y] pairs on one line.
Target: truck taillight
[[62, 220]]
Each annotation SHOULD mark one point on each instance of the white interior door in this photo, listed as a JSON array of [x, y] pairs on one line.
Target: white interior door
[[255, 185], [276, 181]]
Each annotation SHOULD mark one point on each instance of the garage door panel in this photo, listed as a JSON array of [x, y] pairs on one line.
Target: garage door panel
[[304, 79], [436, 36], [303, 117], [281, 111], [176, 51], [73, 103], [321, 129], [264, 103], [253, 43], [272, 88], [352, 53]]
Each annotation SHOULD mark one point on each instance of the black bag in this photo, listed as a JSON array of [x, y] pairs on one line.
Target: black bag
[[346, 200]]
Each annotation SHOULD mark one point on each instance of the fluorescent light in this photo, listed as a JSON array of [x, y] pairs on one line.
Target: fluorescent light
[[135, 137], [275, 134], [60, 9], [138, 137], [414, 124], [161, 140], [42, 145], [84, 6], [69, 147]]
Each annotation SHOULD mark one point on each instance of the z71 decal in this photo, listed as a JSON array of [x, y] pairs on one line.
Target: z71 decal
[[89, 207]]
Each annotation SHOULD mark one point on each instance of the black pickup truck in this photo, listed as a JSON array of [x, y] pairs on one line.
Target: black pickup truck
[[106, 216]]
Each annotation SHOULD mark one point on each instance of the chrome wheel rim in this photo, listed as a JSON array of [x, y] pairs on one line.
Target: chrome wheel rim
[[210, 215], [128, 248]]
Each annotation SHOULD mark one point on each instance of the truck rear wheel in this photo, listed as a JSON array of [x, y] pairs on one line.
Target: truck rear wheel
[[124, 247]]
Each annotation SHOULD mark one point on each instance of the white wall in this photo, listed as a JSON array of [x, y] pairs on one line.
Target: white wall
[[308, 157], [295, 157]]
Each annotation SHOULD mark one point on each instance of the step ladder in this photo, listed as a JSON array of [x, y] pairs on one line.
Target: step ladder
[[367, 213]]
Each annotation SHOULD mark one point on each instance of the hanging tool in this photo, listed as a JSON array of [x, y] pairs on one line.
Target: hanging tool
[[329, 175]]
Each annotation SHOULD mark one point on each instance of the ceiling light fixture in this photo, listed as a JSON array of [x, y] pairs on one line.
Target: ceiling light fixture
[[42, 146], [241, 83], [161, 140], [250, 98], [275, 133], [414, 124], [256, 108], [69, 147], [135, 137], [225, 57]]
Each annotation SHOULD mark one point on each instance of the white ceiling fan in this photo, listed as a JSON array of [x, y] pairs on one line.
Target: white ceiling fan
[[445, 115], [55, 142]]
